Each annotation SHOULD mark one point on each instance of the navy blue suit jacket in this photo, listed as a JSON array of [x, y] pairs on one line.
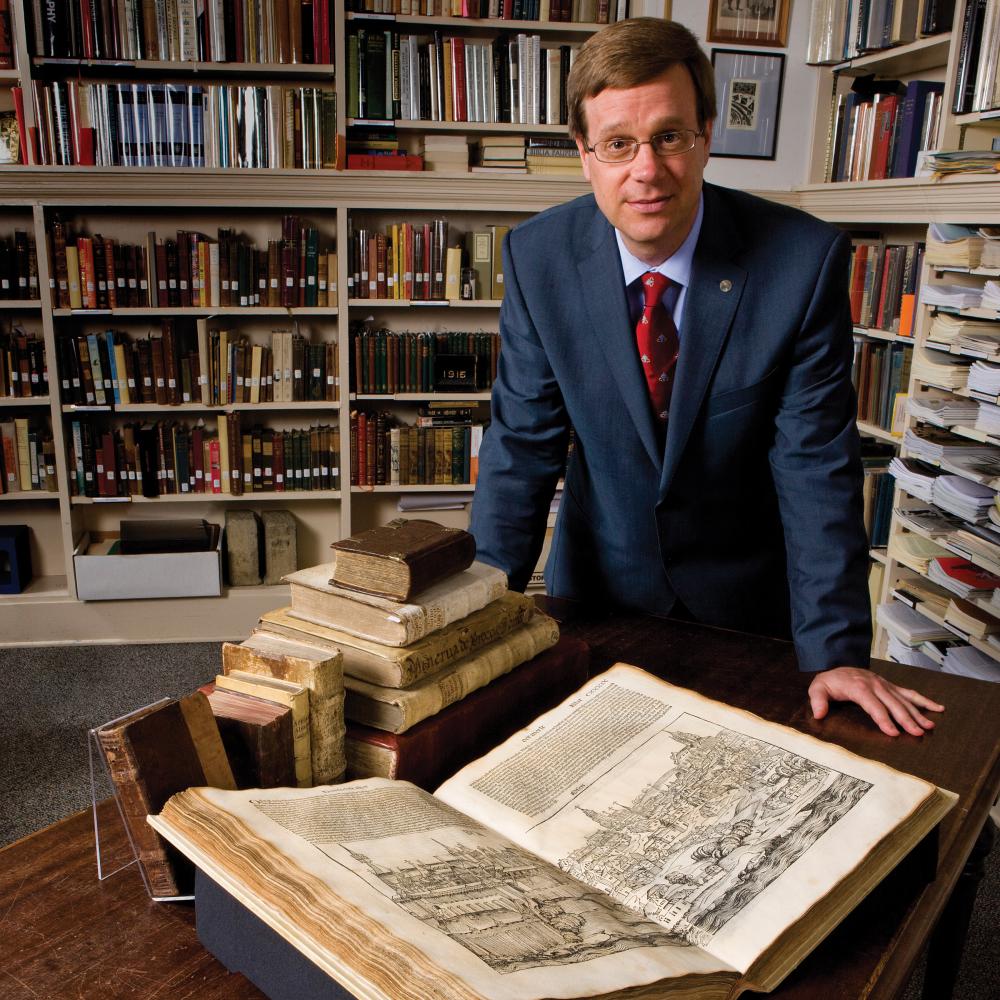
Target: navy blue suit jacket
[[751, 514]]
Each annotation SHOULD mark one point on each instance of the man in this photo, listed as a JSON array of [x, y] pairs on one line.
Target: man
[[719, 480]]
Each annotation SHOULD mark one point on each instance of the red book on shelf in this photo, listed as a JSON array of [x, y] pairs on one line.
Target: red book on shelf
[[460, 109]]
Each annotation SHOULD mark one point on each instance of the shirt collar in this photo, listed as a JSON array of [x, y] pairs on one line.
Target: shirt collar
[[677, 267]]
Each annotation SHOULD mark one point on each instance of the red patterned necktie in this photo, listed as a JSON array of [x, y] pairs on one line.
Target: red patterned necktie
[[656, 338]]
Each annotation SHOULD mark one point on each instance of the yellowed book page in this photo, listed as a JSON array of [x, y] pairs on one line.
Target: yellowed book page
[[739, 825], [398, 896]]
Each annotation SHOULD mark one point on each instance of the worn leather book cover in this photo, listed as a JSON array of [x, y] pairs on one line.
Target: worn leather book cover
[[151, 755], [402, 558], [437, 747], [258, 738]]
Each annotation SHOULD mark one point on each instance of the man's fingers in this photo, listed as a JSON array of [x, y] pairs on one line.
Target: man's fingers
[[819, 701], [876, 708]]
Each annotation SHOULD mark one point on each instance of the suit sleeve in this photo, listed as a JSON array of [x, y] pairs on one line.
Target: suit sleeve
[[815, 460], [524, 449]]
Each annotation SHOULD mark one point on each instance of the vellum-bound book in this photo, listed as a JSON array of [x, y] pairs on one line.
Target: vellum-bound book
[[638, 835]]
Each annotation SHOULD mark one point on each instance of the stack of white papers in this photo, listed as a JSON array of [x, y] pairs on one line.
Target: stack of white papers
[[913, 476], [990, 299], [980, 341], [908, 624], [897, 650], [933, 445], [945, 370], [967, 661], [944, 411], [961, 576], [929, 521], [980, 468], [965, 499], [915, 550], [951, 296], [985, 377], [988, 418]]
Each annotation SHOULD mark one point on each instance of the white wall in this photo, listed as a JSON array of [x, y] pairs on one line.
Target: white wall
[[798, 104]]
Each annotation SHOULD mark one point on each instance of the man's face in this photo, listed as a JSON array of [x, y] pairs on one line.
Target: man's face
[[651, 200]]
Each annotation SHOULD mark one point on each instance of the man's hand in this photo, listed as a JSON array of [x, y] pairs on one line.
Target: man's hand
[[881, 699]]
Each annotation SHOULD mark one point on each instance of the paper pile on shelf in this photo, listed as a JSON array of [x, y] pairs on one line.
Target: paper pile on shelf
[[915, 551], [984, 469], [897, 650], [940, 369], [914, 476], [980, 543], [988, 418], [984, 377], [991, 246], [909, 625], [962, 161], [967, 661], [961, 576], [952, 296], [929, 521], [990, 298], [963, 498], [950, 245], [943, 411], [934, 444]]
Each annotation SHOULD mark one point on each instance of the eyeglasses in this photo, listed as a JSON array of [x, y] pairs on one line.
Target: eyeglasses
[[672, 143]]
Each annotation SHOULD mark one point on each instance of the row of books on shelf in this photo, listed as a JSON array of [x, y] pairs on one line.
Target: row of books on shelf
[[23, 372], [169, 457], [576, 11], [845, 29], [512, 78], [258, 31], [29, 457], [387, 362], [881, 126], [193, 269], [145, 124], [881, 374], [418, 261], [188, 363], [18, 266], [385, 452], [976, 85], [885, 284]]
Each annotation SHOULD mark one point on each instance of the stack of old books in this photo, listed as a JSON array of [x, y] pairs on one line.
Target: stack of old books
[[440, 659]]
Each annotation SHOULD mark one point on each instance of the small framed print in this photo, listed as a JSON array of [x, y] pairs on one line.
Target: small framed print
[[749, 22], [748, 89]]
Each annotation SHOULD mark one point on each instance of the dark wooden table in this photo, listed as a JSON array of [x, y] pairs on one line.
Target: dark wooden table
[[64, 934]]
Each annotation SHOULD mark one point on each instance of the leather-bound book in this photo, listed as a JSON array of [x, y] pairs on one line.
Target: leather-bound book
[[402, 558], [258, 738], [151, 754], [437, 747]]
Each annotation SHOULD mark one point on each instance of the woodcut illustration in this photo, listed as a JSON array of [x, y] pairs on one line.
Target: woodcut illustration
[[724, 820], [509, 908]]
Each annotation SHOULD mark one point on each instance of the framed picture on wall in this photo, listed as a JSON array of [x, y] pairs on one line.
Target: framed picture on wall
[[749, 22], [748, 91]]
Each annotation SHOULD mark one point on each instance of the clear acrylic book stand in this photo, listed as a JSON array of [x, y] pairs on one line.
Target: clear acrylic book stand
[[94, 750]]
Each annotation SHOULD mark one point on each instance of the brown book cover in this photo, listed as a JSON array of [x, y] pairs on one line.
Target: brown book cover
[[402, 558], [437, 747], [258, 738], [151, 755]]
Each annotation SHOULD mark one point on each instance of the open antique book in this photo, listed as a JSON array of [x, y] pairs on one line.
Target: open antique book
[[639, 840]]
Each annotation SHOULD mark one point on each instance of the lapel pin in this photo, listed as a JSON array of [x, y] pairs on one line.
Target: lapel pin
[[725, 285]]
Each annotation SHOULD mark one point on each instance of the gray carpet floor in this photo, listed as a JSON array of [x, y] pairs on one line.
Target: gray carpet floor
[[53, 695]]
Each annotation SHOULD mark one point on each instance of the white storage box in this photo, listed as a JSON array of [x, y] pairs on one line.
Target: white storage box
[[105, 576]]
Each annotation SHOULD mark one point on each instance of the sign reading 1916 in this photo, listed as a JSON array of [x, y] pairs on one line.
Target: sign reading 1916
[[454, 372]]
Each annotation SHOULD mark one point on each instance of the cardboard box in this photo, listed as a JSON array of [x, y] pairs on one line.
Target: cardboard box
[[102, 575]]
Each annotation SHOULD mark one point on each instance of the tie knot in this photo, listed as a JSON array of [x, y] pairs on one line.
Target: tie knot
[[654, 285]]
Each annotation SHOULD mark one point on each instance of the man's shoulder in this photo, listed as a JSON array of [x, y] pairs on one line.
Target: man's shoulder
[[763, 218], [570, 221]]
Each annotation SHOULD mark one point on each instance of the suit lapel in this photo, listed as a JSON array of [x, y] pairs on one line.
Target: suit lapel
[[716, 287], [603, 292]]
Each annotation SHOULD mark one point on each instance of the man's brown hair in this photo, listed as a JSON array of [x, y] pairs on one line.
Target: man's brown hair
[[633, 52]]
